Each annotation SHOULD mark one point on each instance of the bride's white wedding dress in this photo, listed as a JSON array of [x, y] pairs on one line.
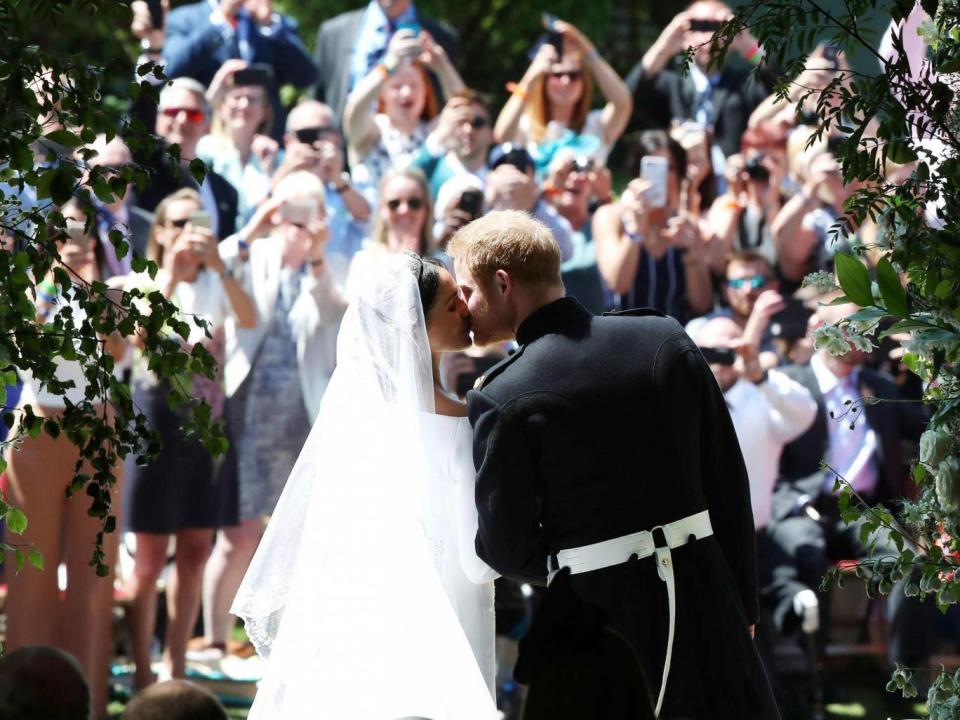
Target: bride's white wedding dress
[[366, 597]]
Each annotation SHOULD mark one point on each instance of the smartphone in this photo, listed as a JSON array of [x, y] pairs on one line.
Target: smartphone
[[466, 381], [709, 26], [718, 355], [471, 202], [256, 74], [831, 55], [156, 13], [654, 169], [298, 212], [413, 26], [200, 219], [76, 231], [791, 322]]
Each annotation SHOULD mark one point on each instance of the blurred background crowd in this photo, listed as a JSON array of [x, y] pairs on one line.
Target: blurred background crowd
[[692, 193]]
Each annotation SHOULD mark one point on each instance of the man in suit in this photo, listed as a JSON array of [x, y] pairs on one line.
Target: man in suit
[[721, 100], [862, 441], [183, 117], [202, 36], [351, 44], [598, 440]]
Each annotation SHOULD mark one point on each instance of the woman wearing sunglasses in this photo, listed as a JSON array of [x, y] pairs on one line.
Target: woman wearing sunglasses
[[177, 494], [550, 106], [406, 107], [404, 222]]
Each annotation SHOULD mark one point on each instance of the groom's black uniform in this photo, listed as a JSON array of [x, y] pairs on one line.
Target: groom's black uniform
[[599, 427]]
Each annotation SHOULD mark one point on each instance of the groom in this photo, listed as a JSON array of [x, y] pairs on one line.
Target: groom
[[604, 445]]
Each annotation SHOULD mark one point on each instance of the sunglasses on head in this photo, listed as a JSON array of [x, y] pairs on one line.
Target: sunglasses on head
[[193, 115], [754, 282], [413, 203], [569, 74], [310, 135]]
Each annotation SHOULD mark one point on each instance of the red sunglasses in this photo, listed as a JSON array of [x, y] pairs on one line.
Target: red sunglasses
[[193, 115]]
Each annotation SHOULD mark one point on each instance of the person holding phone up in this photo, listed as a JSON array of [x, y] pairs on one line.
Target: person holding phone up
[[405, 107], [177, 494], [550, 107], [718, 99], [275, 376], [650, 249]]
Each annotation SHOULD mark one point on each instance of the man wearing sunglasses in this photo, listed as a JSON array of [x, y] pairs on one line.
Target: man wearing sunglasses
[[313, 142], [182, 119], [459, 144]]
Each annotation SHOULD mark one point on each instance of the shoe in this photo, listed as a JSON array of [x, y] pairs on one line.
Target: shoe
[[206, 653], [807, 607]]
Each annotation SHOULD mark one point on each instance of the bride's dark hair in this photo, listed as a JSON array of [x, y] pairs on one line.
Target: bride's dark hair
[[427, 272]]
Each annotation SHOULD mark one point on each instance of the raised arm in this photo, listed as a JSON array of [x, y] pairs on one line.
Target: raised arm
[[619, 230], [507, 126], [616, 113]]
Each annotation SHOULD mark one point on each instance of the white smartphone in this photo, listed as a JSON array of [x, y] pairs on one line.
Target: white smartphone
[[654, 169], [299, 211], [76, 231], [200, 219]]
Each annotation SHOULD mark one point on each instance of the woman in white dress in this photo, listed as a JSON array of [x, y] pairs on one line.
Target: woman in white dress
[[365, 596]]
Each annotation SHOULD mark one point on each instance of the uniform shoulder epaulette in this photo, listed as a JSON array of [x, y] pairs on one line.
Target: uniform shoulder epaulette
[[636, 312], [495, 370]]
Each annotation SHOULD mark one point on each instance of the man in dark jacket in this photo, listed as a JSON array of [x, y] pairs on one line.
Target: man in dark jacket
[[603, 444]]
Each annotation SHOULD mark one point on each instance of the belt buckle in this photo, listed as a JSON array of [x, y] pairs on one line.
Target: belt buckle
[[663, 534]]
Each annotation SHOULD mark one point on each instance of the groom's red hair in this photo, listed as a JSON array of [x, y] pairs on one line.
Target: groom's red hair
[[508, 240]]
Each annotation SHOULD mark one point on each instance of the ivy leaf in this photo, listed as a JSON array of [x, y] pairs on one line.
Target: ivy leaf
[[35, 558], [64, 137], [894, 296], [61, 185], [21, 157], [198, 170], [854, 279], [16, 521]]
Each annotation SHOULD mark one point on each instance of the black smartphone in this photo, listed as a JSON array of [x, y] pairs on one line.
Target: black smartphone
[[257, 74], [831, 55], [718, 355], [704, 25], [791, 322], [471, 202], [482, 364], [156, 14], [556, 39], [756, 170]]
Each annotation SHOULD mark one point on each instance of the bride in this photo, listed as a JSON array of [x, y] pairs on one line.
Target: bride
[[365, 597]]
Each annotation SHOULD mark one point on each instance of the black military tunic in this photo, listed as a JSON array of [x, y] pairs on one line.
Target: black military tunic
[[599, 427]]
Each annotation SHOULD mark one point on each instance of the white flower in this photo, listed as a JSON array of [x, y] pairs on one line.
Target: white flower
[[948, 484], [859, 342], [935, 446], [821, 280], [831, 338]]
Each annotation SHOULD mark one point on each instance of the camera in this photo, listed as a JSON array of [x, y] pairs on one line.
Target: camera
[[755, 168]]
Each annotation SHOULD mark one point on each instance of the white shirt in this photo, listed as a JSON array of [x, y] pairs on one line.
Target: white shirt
[[766, 417], [852, 450]]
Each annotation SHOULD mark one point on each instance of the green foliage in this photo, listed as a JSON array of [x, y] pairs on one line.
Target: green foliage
[[885, 119], [64, 71]]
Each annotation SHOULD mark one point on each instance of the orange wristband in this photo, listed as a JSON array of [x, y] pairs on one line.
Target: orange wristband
[[515, 89]]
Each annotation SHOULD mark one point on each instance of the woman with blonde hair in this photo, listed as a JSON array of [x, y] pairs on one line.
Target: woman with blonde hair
[[550, 108], [404, 223], [406, 108]]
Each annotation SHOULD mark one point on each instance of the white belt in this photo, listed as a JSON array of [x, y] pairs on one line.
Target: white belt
[[642, 544]]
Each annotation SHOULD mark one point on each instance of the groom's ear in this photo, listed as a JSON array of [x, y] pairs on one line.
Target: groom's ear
[[503, 282]]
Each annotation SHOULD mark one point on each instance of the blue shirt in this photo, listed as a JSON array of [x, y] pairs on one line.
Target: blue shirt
[[376, 29]]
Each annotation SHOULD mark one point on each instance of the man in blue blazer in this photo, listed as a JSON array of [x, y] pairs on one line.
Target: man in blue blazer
[[202, 35]]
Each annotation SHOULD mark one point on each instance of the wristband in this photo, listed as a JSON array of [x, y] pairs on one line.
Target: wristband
[[383, 70], [594, 54], [755, 55], [635, 237], [515, 89]]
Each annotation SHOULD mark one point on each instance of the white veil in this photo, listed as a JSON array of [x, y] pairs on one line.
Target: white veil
[[342, 598]]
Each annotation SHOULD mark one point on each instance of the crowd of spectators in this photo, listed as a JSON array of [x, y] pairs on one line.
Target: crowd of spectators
[[723, 205]]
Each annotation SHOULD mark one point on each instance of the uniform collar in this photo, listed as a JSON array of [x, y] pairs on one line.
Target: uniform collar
[[549, 318]]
